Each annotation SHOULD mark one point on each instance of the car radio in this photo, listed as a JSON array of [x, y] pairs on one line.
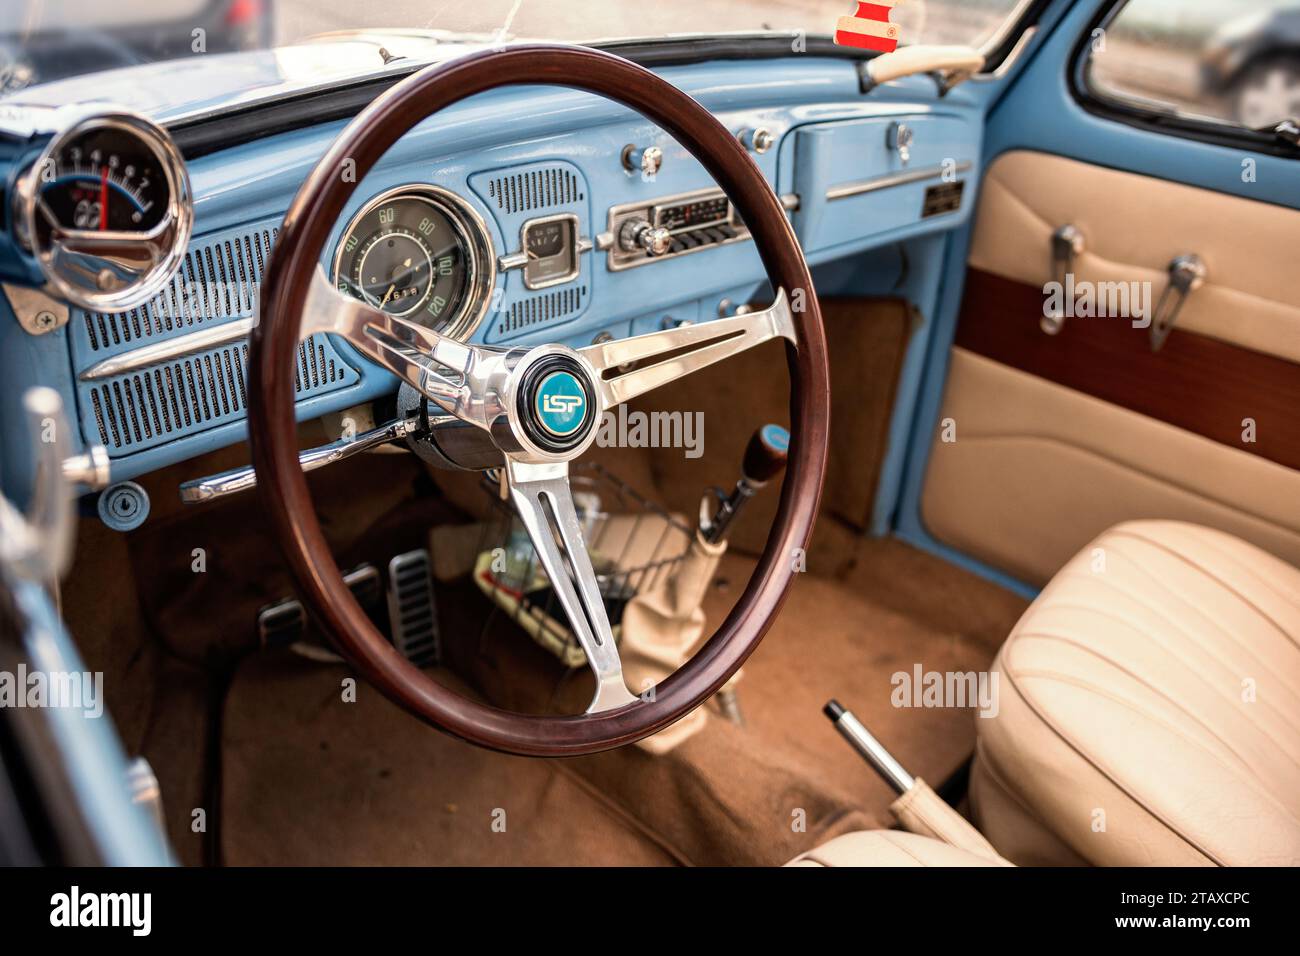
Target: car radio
[[672, 226]]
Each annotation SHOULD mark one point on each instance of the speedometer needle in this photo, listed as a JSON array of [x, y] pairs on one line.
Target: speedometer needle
[[103, 199], [387, 295]]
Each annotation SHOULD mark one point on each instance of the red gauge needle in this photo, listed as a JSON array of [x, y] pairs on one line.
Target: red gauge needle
[[103, 200]]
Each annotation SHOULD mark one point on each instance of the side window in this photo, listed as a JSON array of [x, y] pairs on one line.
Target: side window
[[1235, 63]]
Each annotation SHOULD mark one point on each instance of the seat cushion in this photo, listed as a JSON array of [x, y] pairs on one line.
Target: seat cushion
[[1149, 708], [889, 848]]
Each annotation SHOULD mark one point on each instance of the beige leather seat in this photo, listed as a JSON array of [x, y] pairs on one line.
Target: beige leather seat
[[1149, 708], [889, 848]]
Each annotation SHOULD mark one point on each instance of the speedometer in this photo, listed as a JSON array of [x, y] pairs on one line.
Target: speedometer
[[420, 253], [106, 211]]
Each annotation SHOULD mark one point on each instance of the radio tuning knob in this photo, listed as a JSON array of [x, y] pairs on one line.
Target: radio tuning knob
[[640, 235]]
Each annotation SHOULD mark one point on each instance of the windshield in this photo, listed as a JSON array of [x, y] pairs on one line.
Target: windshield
[[44, 40]]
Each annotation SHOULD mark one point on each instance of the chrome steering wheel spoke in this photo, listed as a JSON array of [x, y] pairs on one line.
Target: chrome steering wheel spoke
[[662, 357], [467, 381], [541, 495]]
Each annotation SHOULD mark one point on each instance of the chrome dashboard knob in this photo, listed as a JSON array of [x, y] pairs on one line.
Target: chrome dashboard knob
[[758, 140], [640, 234], [646, 160], [900, 139]]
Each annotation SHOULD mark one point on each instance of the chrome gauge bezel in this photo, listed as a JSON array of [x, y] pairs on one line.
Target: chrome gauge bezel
[[473, 232], [166, 243]]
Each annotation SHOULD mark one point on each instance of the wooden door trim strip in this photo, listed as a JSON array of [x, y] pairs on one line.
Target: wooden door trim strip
[[1196, 383]]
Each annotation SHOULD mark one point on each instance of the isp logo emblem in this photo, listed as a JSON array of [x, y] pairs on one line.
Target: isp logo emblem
[[561, 404]]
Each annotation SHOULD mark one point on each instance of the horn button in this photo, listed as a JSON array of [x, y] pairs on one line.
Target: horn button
[[556, 404]]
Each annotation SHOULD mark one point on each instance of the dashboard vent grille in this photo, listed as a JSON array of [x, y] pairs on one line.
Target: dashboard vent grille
[[538, 188], [217, 280], [197, 388], [143, 409], [545, 309]]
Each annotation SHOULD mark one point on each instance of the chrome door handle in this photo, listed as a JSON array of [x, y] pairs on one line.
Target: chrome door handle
[[1186, 275], [1067, 244]]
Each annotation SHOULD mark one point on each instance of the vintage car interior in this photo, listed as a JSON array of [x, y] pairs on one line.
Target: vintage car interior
[[730, 442]]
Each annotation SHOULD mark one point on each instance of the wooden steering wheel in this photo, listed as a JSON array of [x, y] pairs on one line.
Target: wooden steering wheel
[[539, 406]]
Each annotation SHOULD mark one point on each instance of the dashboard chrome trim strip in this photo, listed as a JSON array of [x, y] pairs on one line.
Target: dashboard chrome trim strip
[[891, 180], [158, 352]]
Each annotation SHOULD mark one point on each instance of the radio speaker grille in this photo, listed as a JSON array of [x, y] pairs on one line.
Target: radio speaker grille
[[536, 188], [546, 308]]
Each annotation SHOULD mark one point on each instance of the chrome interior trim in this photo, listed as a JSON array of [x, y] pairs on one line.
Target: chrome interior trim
[[38, 542], [542, 497], [617, 260], [890, 180], [182, 345], [874, 752], [241, 479], [463, 380], [662, 357], [151, 258], [519, 259]]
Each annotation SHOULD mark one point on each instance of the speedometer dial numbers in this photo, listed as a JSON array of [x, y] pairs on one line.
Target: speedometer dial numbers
[[106, 211], [420, 253]]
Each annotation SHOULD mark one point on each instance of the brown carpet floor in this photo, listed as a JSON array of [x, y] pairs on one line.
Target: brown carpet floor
[[308, 778], [311, 780]]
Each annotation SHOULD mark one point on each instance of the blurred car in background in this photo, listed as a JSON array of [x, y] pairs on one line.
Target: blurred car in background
[[44, 40], [1253, 64]]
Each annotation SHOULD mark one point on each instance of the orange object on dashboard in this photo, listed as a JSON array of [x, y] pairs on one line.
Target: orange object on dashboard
[[869, 28]]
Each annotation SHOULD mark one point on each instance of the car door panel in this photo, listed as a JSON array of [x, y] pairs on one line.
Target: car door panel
[[1059, 437]]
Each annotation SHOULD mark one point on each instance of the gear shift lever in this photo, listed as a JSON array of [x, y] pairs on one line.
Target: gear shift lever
[[765, 456], [663, 623]]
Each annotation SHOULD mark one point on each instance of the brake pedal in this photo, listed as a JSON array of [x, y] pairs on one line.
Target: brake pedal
[[285, 623]]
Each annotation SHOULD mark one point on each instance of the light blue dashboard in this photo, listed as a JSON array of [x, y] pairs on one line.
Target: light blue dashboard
[[847, 191]]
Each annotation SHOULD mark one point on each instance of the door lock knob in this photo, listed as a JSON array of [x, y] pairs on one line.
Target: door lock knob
[[901, 137]]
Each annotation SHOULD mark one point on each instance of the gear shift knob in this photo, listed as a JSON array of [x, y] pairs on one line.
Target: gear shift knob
[[766, 454]]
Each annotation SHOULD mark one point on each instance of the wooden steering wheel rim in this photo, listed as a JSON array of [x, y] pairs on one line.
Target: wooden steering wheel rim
[[272, 428]]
